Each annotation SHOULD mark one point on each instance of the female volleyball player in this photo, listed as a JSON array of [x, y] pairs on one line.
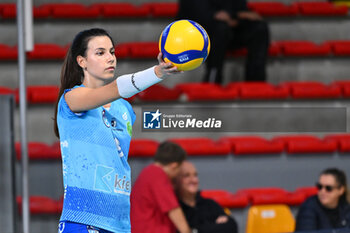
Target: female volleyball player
[[94, 124]]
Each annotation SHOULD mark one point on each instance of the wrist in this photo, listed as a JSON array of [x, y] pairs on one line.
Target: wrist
[[157, 72], [131, 84]]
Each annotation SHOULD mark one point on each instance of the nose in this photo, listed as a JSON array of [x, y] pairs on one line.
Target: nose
[[111, 58]]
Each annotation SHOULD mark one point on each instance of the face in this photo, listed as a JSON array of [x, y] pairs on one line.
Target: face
[[100, 60], [329, 191], [188, 182]]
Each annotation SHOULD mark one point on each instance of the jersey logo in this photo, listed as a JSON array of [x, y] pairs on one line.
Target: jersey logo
[[106, 180], [125, 116], [103, 178], [61, 226]]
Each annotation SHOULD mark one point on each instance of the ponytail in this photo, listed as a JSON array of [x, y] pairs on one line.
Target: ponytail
[[71, 73]]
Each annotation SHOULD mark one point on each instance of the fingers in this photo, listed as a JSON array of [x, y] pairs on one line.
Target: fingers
[[170, 69], [165, 69], [160, 58], [221, 219]]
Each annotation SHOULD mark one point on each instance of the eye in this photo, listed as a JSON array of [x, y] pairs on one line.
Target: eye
[[99, 53], [113, 52]]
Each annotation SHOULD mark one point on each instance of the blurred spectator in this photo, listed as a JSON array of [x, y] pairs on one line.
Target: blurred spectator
[[204, 215], [154, 206], [230, 25], [329, 209]]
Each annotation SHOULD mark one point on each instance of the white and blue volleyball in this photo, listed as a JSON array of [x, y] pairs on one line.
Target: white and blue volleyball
[[185, 44]]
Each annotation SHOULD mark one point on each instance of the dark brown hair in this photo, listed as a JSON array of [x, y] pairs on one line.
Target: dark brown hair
[[71, 73], [340, 178], [169, 152]]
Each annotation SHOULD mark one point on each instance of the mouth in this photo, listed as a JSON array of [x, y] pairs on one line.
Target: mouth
[[111, 68]]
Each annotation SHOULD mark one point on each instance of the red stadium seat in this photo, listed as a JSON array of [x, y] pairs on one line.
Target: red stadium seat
[[162, 9], [36, 151], [144, 49], [70, 10], [312, 89], [9, 11], [264, 190], [344, 86], [273, 9], [47, 51], [122, 50], [286, 198], [241, 145], [202, 146], [159, 93], [307, 191], [60, 205], [306, 144], [340, 47], [267, 195], [185, 87], [41, 12], [6, 91], [8, 52], [293, 198], [318, 8], [226, 199], [342, 140], [55, 150], [259, 90], [303, 48], [143, 148], [207, 92], [272, 195], [120, 10], [42, 94], [40, 205], [274, 49]]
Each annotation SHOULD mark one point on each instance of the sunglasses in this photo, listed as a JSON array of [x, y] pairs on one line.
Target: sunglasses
[[328, 188]]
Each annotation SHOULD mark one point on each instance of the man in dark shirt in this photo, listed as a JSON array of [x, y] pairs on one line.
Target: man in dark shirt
[[230, 25], [203, 215]]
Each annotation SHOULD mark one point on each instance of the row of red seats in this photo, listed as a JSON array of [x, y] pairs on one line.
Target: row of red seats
[[241, 199], [237, 145], [211, 92], [259, 196], [165, 9], [146, 50], [95, 10]]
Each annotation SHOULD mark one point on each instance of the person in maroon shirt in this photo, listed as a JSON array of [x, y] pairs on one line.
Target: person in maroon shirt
[[154, 206]]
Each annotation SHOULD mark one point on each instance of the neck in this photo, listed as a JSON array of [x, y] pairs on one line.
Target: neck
[[164, 168], [189, 199], [332, 205], [95, 82]]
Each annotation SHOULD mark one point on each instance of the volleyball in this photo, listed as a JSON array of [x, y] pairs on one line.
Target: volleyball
[[185, 44]]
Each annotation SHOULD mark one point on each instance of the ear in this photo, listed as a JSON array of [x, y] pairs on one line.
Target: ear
[[342, 190], [174, 165], [81, 61]]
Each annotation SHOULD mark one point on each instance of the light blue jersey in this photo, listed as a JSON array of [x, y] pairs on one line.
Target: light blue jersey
[[96, 174]]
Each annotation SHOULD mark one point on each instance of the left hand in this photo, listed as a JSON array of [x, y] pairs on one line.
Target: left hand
[[249, 15], [164, 69], [221, 219]]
